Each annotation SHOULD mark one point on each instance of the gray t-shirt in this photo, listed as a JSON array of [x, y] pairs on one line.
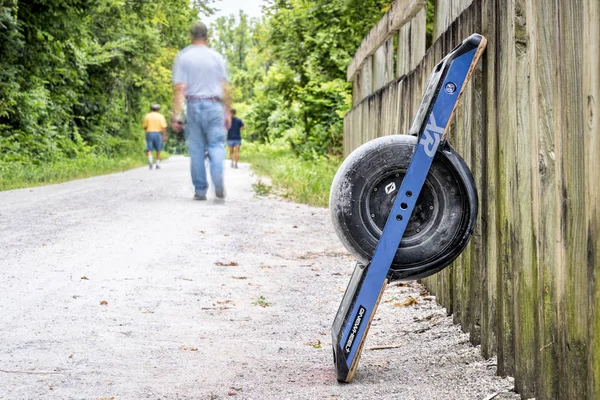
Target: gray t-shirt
[[202, 71]]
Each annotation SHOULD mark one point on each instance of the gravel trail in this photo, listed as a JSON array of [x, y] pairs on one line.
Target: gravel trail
[[122, 287]]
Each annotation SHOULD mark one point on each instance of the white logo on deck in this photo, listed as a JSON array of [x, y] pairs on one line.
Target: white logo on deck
[[431, 137]]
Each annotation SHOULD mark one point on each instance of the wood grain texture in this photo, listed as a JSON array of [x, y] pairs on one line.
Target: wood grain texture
[[572, 225], [507, 126], [488, 191], [544, 191], [591, 127]]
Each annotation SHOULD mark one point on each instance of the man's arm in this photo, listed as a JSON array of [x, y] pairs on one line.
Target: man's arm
[[178, 96], [227, 104]]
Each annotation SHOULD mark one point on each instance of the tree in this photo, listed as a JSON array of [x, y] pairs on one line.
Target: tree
[[305, 47], [76, 75]]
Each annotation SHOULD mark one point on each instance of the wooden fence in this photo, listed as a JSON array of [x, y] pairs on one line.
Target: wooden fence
[[527, 287]]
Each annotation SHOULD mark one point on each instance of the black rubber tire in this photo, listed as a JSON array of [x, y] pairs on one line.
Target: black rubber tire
[[441, 224]]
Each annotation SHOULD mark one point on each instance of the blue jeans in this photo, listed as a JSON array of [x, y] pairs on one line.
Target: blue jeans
[[205, 132]]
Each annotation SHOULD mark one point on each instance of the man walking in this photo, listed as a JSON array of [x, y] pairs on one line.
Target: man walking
[[155, 126], [234, 138], [200, 77]]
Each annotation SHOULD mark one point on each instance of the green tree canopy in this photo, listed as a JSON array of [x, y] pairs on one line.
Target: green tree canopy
[[292, 82], [76, 75]]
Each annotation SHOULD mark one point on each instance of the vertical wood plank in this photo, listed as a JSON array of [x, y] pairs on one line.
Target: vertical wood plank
[[489, 188], [560, 283], [545, 210], [418, 29], [389, 73], [522, 251], [356, 90], [403, 52], [366, 78], [591, 115], [477, 134], [573, 229], [506, 64], [441, 17], [379, 65]]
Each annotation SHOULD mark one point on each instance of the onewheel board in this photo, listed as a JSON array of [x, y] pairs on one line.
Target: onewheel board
[[405, 206]]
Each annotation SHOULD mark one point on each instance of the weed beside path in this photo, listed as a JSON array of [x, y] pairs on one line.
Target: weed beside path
[[304, 181]]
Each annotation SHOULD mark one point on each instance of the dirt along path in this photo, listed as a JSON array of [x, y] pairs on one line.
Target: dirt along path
[[123, 287]]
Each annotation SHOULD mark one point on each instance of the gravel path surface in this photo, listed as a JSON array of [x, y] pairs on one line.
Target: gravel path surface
[[122, 287]]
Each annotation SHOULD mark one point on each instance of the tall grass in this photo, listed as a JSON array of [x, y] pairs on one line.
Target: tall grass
[[304, 181], [19, 175]]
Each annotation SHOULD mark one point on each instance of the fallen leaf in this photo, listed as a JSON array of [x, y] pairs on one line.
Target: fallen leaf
[[242, 278], [147, 312], [44, 245], [104, 303], [407, 303], [316, 344], [226, 264], [336, 274], [323, 333], [232, 393], [105, 398], [188, 348], [71, 356], [225, 302], [84, 278], [202, 232]]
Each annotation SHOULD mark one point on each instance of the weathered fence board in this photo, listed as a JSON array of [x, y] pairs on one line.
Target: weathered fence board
[[591, 127], [488, 192], [411, 43], [573, 207], [527, 287]]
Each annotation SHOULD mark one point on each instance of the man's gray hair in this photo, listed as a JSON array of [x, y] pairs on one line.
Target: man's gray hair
[[199, 31]]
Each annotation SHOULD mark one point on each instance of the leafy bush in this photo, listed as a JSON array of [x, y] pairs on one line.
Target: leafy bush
[[76, 76]]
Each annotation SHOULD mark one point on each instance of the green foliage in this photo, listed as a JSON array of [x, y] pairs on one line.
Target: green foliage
[[17, 175], [261, 188], [291, 85], [76, 76], [262, 302], [304, 181], [430, 19]]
